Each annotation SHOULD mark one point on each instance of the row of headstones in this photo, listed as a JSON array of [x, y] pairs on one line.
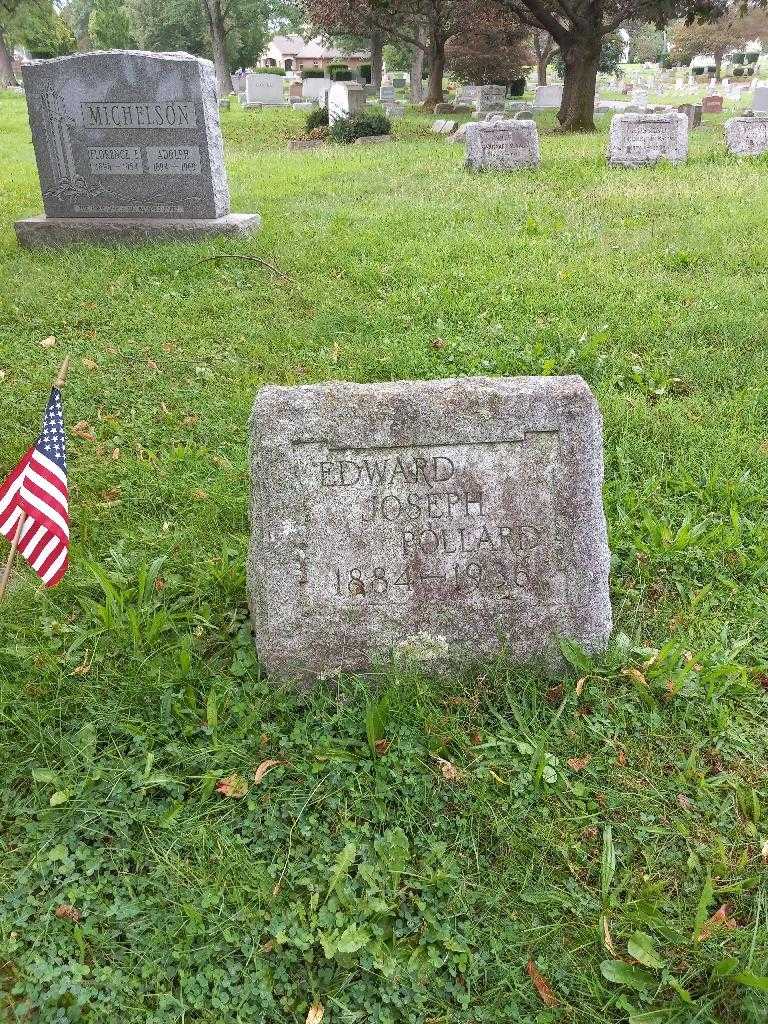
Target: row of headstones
[[636, 140]]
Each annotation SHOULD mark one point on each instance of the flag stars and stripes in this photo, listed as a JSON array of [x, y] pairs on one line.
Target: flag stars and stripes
[[37, 487]]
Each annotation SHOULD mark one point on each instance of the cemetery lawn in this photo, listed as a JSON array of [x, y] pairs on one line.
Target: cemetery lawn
[[494, 848]]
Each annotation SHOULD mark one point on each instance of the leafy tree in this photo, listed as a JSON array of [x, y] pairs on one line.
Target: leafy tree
[[108, 26], [729, 32], [35, 24], [646, 42], [425, 25], [352, 26], [490, 47], [167, 25], [578, 28]]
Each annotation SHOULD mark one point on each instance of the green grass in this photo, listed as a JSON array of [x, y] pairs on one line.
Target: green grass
[[362, 879]]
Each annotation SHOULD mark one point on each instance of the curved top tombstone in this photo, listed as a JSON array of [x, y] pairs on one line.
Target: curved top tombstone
[[127, 134]]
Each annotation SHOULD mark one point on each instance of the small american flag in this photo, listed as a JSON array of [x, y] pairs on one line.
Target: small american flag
[[37, 486]]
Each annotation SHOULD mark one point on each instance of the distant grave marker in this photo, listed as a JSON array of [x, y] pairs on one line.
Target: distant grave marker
[[502, 145], [637, 140], [746, 136]]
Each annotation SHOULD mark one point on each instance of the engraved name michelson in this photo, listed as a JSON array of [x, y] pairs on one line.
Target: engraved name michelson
[[466, 513]]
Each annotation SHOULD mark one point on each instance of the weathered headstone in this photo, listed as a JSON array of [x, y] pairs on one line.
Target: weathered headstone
[[264, 90], [637, 140], [467, 94], [502, 145], [444, 127], [746, 136], [296, 91], [760, 99], [712, 104], [490, 97], [387, 94], [453, 519], [548, 97], [344, 100], [399, 83], [313, 88], [128, 146], [394, 110]]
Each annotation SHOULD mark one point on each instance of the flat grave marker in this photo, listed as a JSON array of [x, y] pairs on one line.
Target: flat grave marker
[[457, 516], [640, 139], [502, 145]]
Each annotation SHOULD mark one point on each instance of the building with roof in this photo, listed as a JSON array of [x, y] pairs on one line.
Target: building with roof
[[293, 53]]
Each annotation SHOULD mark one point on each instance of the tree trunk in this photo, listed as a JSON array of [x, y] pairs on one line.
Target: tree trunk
[[577, 108], [718, 65], [417, 70], [377, 58], [7, 76], [541, 68], [218, 33], [436, 67]]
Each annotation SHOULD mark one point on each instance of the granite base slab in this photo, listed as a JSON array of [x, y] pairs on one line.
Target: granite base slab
[[49, 231]]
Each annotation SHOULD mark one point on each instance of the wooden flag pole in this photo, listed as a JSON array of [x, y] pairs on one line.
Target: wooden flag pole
[[58, 383]]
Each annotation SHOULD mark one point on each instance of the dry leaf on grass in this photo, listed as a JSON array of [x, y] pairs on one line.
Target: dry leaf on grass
[[577, 763], [265, 767], [621, 758], [315, 1014], [152, 364], [764, 852], [607, 939], [82, 429], [232, 786], [543, 987], [719, 919], [84, 667], [89, 364], [580, 683], [635, 675], [448, 769], [684, 801], [47, 342], [66, 912], [382, 746]]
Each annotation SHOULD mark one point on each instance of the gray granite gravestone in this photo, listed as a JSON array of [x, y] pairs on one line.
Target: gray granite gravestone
[[459, 516], [128, 146], [502, 145], [263, 90], [747, 136], [490, 97], [637, 140]]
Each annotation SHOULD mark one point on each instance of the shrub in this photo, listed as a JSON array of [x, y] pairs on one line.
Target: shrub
[[517, 87], [317, 118], [269, 71], [361, 125], [313, 73], [339, 73]]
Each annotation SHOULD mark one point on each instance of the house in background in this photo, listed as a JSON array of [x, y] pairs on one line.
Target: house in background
[[296, 54]]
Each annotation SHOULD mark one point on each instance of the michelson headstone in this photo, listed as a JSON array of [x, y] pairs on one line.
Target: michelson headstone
[[128, 146], [637, 140], [502, 145], [459, 516]]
